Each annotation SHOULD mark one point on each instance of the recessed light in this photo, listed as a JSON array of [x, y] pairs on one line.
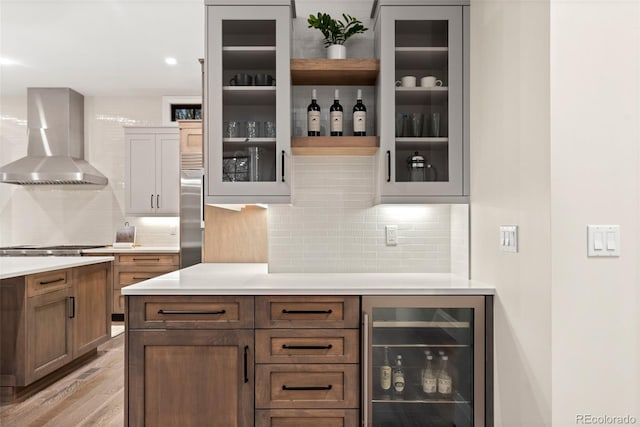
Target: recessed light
[[170, 61], [6, 61]]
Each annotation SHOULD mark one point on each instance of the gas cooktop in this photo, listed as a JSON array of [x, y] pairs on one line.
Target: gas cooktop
[[42, 250]]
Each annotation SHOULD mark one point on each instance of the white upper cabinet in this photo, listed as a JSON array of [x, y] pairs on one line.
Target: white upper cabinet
[[423, 102], [152, 171], [248, 94]]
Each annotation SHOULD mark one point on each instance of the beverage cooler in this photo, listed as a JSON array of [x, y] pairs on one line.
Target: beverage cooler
[[425, 361]]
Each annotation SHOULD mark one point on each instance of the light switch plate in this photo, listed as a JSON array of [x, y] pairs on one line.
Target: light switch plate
[[603, 240], [509, 238]]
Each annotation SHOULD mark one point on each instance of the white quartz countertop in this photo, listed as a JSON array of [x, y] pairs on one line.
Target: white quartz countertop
[[24, 265], [253, 279], [137, 249]]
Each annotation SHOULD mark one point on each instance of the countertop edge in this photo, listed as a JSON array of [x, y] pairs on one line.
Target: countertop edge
[[47, 264], [136, 250]]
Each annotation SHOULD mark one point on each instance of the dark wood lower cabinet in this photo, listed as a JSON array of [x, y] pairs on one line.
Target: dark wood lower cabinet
[[307, 418], [92, 310], [190, 378]]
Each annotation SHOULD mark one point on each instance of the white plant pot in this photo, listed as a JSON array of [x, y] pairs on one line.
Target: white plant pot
[[337, 51]]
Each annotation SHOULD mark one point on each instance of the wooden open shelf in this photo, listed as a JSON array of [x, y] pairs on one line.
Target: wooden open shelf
[[339, 72], [334, 145]]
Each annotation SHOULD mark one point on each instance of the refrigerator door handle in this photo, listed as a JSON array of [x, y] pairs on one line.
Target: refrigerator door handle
[[365, 369], [202, 202]]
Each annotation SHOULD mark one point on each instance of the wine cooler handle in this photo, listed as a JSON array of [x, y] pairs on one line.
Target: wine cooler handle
[[388, 165], [246, 364], [365, 369], [282, 165]]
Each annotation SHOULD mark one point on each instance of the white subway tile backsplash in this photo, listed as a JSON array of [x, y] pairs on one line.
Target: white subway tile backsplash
[[77, 214], [333, 226]]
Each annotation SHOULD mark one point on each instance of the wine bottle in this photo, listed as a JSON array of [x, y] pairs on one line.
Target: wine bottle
[[359, 117], [385, 375], [444, 380], [429, 379], [398, 378], [313, 116], [335, 115]]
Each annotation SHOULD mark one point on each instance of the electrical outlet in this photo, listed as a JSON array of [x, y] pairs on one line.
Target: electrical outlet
[[391, 235]]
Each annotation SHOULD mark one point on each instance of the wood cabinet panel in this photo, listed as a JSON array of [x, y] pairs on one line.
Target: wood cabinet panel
[[49, 334], [307, 346], [191, 312], [149, 259], [92, 324], [190, 378], [307, 386], [307, 418], [49, 281], [307, 311], [117, 302]]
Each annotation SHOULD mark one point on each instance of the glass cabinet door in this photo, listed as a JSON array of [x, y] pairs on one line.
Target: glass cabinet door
[[425, 361], [248, 89], [423, 56]]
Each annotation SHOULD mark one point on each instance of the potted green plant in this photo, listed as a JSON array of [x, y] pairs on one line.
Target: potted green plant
[[336, 32]]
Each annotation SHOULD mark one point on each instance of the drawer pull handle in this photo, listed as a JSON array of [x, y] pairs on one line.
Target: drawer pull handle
[[191, 311], [327, 387], [48, 282], [307, 347], [141, 278], [246, 363], [285, 311], [146, 259]]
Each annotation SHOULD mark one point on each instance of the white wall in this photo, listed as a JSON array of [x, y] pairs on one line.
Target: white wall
[[595, 114], [78, 214], [510, 184]]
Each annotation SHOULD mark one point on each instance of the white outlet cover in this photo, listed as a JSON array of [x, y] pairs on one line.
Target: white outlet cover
[[391, 235]]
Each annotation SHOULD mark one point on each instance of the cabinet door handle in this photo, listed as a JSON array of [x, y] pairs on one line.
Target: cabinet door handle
[[285, 311], [388, 165], [48, 282], [152, 201], [307, 347], [191, 311], [72, 307], [282, 165], [158, 201], [365, 369], [321, 387], [246, 363]]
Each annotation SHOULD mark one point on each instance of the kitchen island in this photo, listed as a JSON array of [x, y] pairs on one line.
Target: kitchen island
[[55, 312], [243, 347]]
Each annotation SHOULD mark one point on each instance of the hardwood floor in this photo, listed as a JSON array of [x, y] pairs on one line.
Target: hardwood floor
[[92, 395]]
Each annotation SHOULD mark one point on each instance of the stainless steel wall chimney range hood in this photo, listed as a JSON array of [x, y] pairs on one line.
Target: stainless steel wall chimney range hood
[[55, 149]]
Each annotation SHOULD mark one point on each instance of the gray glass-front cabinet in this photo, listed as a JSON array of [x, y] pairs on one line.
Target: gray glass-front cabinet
[[427, 361], [247, 136], [423, 102]]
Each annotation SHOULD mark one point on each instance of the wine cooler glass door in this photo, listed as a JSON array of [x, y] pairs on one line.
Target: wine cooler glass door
[[425, 362]]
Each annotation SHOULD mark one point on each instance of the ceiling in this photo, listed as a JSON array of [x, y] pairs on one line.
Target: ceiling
[[102, 47]]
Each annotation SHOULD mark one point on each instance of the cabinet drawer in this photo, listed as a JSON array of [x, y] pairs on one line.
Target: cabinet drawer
[[191, 312], [149, 259], [307, 418], [307, 386], [49, 281], [307, 346], [126, 278], [307, 312]]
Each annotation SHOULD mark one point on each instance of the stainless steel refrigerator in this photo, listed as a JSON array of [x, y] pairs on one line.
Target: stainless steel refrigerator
[[191, 216]]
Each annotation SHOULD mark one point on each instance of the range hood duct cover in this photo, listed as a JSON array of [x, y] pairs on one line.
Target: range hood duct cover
[[55, 149]]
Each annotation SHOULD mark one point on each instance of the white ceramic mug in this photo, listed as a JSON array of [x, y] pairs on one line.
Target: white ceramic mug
[[407, 81], [430, 81]]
